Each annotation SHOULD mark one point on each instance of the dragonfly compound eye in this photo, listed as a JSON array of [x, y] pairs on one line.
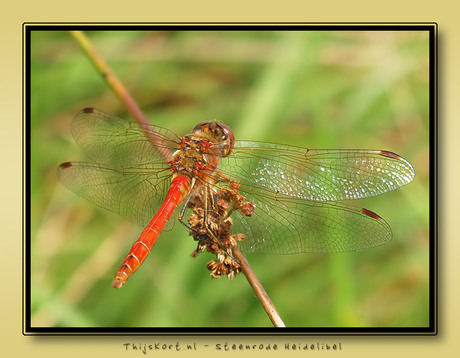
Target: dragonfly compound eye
[[228, 137], [217, 133]]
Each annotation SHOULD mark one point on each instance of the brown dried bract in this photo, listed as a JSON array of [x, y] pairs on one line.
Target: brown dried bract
[[213, 230]]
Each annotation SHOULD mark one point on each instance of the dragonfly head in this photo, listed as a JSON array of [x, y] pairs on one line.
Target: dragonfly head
[[218, 133]]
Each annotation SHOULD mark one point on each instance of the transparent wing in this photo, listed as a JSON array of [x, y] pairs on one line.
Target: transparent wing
[[294, 189], [135, 193], [289, 225], [107, 139], [316, 174]]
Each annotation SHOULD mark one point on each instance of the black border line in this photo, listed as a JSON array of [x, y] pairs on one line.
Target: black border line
[[432, 329]]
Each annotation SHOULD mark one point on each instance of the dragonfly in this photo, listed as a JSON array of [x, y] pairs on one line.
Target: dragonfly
[[145, 173]]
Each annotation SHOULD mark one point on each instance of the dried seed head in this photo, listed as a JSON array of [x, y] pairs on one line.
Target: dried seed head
[[221, 257], [193, 220], [247, 208], [238, 237], [234, 186], [212, 265], [212, 229]]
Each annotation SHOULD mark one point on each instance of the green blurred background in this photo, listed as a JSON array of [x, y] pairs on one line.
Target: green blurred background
[[330, 89]]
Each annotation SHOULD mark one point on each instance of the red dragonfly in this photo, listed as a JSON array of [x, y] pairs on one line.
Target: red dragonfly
[[145, 171]]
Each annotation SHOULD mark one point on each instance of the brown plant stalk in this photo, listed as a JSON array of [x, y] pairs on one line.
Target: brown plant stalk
[[119, 89]]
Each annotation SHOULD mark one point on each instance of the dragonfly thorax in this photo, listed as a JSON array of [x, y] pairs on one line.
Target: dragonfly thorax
[[194, 158], [199, 153]]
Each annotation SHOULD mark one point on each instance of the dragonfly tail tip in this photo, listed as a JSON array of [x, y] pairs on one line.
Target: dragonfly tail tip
[[118, 282]]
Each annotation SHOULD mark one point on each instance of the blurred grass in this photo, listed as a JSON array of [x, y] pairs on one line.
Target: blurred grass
[[312, 89]]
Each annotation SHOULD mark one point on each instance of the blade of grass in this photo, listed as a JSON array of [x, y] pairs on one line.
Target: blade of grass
[[274, 88]]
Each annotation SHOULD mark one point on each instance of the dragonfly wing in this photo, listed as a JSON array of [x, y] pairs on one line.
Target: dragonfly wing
[[316, 174], [134, 193], [289, 226], [108, 139]]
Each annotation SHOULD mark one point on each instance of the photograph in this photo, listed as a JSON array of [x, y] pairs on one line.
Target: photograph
[[230, 178]]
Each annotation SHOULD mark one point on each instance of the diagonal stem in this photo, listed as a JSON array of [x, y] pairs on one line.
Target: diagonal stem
[[258, 289], [120, 90], [115, 84]]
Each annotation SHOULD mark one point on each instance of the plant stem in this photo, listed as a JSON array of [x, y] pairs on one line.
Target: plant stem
[[258, 289], [120, 90], [115, 84]]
